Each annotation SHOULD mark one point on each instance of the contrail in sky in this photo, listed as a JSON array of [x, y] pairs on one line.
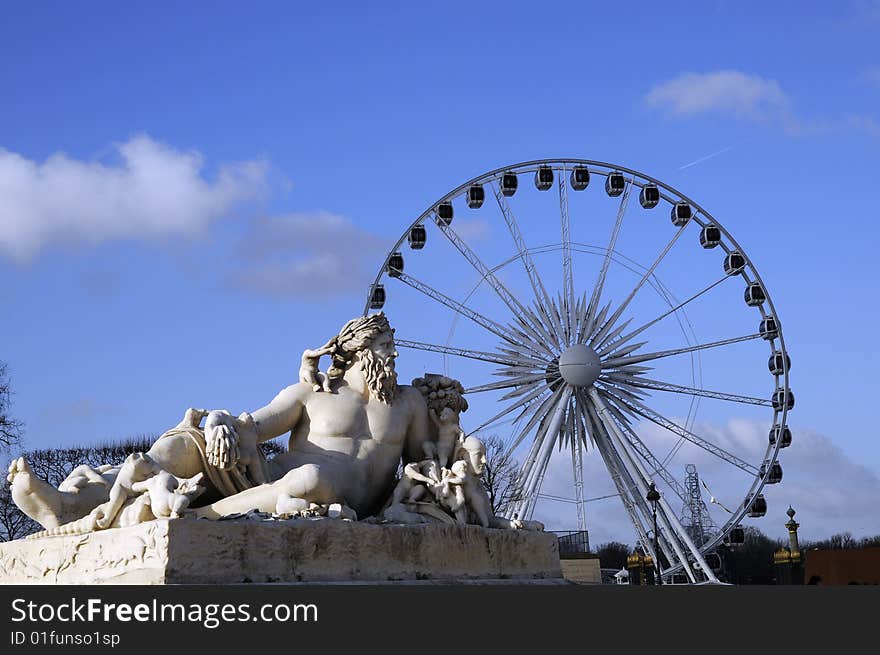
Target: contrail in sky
[[702, 159]]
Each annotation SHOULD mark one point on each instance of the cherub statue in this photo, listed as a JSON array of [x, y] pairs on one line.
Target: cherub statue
[[471, 452], [308, 370], [411, 486], [170, 495], [83, 475], [449, 433], [137, 467], [450, 492]]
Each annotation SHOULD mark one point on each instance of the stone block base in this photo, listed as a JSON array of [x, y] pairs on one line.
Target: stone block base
[[193, 551], [582, 570]]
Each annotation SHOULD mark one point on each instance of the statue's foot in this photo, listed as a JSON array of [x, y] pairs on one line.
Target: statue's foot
[[38, 499], [287, 505]]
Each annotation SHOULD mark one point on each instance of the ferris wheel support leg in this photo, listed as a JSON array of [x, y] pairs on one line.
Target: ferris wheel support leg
[[550, 435], [623, 489], [577, 465], [633, 500], [671, 545], [667, 515], [567, 427], [646, 454], [629, 462]]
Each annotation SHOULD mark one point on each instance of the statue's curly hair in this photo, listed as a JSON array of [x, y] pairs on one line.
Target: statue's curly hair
[[354, 336]]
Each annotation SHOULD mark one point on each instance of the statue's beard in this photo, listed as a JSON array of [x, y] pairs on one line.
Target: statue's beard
[[379, 375]]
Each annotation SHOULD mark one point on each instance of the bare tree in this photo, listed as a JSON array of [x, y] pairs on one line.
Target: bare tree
[[10, 429], [841, 541], [55, 464], [13, 522], [613, 554], [501, 476]]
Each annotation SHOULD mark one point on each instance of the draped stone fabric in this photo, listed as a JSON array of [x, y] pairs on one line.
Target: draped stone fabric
[[226, 482]]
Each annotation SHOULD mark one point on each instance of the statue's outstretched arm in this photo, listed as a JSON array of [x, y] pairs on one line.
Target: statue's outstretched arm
[[282, 414]]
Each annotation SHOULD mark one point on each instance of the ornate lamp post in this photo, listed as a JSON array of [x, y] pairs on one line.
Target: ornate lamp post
[[652, 497]]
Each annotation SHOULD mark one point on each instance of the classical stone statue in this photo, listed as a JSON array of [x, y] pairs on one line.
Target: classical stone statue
[[350, 428]]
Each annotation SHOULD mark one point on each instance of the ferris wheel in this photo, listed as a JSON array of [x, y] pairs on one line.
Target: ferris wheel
[[602, 359]]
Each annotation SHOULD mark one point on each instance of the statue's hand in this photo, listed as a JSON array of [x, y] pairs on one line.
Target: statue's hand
[[221, 440]]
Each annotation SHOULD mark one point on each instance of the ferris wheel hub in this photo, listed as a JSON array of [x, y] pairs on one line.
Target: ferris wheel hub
[[580, 366]]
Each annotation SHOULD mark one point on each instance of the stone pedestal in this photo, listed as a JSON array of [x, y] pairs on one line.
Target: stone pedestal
[[193, 551]]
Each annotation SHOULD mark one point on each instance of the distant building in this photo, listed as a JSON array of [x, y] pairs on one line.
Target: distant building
[[843, 566]]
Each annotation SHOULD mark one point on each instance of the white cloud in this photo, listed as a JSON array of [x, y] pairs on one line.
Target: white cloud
[[872, 76], [308, 254], [475, 229], [726, 91], [81, 410], [865, 124], [154, 190], [831, 491]]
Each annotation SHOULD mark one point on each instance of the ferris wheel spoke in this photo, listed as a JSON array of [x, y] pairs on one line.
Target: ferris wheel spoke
[[484, 322], [548, 440], [632, 294], [522, 356], [622, 390], [642, 410], [603, 347], [616, 362], [487, 274], [598, 319], [567, 273], [565, 317], [580, 319], [629, 348], [616, 331], [511, 371], [658, 385], [630, 369], [507, 384], [520, 402], [524, 389], [549, 337], [609, 251], [480, 355], [524, 256]]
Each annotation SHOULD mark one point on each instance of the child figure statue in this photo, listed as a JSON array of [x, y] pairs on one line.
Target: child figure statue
[[449, 433]]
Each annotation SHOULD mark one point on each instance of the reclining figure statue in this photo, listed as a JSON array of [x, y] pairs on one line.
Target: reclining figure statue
[[349, 430]]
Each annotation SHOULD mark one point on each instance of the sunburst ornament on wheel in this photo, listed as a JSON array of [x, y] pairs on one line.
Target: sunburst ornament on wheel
[[576, 366]]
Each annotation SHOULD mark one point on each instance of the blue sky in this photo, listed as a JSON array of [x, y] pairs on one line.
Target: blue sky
[[189, 197]]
